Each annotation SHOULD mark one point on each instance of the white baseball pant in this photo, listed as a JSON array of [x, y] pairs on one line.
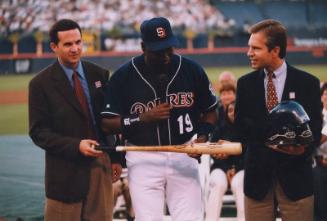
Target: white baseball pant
[[218, 185], [159, 177]]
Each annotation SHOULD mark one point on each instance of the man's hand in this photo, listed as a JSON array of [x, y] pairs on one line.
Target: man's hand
[[116, 171], [323, 138], [200, 139], [221, 156], [86, 147], [290, 149], [160, 112]]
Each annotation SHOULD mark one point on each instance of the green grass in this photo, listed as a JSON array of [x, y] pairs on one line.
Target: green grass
[[14, 82], [13, 118]]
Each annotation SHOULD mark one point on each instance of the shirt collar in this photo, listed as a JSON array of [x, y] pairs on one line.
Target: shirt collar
[[280, 71], [69, 71], [324, 111]]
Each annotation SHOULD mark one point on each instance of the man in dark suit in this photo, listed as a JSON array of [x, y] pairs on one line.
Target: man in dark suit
[[281, 177], [65, 100]]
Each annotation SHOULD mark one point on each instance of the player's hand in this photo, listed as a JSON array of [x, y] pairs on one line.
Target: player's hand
[[200, 139], [86, 147], [116, 171], [159, 112], [290, 149], [221, 156]]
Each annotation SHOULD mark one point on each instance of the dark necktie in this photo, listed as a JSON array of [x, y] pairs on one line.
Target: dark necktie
[[272, 99], [80, 95]]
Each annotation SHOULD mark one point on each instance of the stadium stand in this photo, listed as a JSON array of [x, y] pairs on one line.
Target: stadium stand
[[116, 22], [32, 15], [287, 12], [317, 16], [241, 12], [203, 27]]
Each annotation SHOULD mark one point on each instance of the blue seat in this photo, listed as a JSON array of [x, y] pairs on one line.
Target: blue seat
[[292, 14], [241, 12], [317, 14]]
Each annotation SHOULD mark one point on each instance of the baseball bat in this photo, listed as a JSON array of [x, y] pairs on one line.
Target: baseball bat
[[232, 148]]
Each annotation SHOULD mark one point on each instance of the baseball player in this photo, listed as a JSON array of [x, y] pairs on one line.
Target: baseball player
[[161, 98]]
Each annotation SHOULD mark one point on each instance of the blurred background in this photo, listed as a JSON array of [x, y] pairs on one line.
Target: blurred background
[[211, 32]]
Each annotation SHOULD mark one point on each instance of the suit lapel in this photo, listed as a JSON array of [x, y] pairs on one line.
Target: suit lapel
[[287, 87], [63, 86], [90, 78], [261, 90]]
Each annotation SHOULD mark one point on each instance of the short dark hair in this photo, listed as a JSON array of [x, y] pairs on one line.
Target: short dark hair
[[323, 88], [62, 25], [227, 120], [275, 32]]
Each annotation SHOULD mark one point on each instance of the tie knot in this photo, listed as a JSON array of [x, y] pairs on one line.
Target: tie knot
[[75, 74], [271, 74]]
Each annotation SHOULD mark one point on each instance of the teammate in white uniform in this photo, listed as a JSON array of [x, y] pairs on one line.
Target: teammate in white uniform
[[160, 98]]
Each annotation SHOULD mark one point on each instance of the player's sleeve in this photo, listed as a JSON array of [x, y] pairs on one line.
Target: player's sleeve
[[206, 97], [113, 98]]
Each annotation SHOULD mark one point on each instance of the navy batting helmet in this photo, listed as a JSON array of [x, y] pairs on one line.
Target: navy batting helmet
[[288, 125]]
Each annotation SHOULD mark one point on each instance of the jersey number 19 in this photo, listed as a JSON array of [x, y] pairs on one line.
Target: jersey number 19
[[185, 124]]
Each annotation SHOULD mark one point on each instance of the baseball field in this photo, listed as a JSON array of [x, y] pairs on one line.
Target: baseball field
[[14, 89]]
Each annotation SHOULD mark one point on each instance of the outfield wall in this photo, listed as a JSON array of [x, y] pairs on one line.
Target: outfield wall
[[233, 56]]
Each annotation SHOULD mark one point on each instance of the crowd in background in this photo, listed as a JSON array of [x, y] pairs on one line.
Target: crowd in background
[[32, 15]]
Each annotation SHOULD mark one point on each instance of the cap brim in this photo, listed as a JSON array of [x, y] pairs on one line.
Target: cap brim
[[157, 46]]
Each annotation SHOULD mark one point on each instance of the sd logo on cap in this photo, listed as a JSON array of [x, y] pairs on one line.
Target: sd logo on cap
[[157, 35]]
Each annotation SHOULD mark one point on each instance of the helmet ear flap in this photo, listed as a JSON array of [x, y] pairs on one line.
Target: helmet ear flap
[[288, 124]]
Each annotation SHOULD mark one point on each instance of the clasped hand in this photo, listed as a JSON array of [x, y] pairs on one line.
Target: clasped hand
[[221, 156], [157, 113], [289, 149], [87, 148]]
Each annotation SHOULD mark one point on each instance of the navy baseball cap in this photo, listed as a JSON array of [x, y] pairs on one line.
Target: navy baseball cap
[[157, 35]]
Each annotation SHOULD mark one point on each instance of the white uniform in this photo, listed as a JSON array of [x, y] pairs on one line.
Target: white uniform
[[158, 177], [218, 186]]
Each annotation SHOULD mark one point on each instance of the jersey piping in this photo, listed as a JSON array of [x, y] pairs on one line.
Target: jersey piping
[[155, 94], [154, 91], [212, 105], [108, 112], [173, 78]]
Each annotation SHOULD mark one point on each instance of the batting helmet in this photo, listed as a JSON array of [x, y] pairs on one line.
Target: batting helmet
[[288, 125]]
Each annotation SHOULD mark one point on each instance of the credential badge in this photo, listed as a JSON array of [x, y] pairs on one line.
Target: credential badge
[[292, 95]]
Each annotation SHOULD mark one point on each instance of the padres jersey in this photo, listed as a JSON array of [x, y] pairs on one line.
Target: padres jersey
[[131, 91]]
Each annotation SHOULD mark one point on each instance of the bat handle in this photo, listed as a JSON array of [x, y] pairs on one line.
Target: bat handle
[[120, 148]]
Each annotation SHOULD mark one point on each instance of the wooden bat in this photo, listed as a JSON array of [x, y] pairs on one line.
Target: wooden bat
[[194, 148]]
